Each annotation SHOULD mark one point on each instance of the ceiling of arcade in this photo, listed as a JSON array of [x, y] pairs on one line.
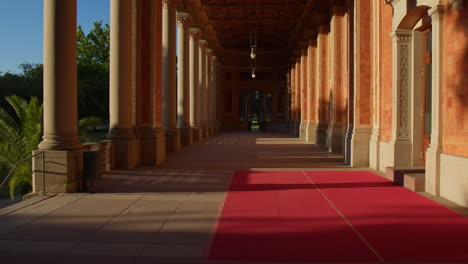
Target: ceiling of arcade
[[282, 26]]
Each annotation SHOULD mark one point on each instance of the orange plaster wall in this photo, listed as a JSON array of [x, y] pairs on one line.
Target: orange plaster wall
[[312, 80], [386, 71], [455, 90], [324, 89], [305, 96], [364, 70], [338, 71]]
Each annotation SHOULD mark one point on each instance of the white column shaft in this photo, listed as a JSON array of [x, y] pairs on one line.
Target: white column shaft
[[194, 79], [60, 78], [183, 92], [169, 65]]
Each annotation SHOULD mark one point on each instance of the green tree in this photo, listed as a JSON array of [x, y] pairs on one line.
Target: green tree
[[19, 136], [93, 71], [21, 133]]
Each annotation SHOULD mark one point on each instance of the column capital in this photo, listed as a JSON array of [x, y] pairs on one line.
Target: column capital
[[209, 51], [203, 43], [183, 19], [214, 58], [436, 13], [195, 33], [169, 3], [401, 35], [304, 51]]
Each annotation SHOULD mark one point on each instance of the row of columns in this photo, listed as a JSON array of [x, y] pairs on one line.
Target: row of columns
[[154, 107], [321, 80]]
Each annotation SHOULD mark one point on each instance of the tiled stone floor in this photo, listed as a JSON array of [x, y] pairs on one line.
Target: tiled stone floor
[[164, 214]]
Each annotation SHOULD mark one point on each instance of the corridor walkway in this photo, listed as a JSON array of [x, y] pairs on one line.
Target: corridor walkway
[[164, 214]]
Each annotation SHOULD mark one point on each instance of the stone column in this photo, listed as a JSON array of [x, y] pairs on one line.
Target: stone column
[[374, 144], [335, 132], [169, 99], [297, 115], [60, 142], [207, 93], [362, 87], [183, 88], [322, 84], [304, 96], [292, 77], [156, 71], [433, 154], [401, 125], [124, 143], [194, 83], [213, 94], [202, 88], [312, 106]]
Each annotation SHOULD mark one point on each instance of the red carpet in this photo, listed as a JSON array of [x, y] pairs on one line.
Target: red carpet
[[295, 217], [400, 224]]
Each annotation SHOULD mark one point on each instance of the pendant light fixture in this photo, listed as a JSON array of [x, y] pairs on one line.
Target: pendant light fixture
[[254, 66], [253, 43]]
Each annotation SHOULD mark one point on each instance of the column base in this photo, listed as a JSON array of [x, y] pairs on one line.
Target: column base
[[125, 153], [374, 150], [160, 145], [297, 128], [147, 137], [200, 133], [402, 150], [360, 147], [173, 140], [335, 138], [195, 133], [433, 169], [186, 137], [62, 171], [347, 144], [206, 131], [303, 130], [311, 132], [321, 137], [291, 127]]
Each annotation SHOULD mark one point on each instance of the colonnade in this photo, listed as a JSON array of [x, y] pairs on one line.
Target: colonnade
[[159, 102]]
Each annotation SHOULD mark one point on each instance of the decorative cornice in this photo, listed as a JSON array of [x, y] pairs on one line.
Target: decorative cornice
[[183, 19], [169, 3]]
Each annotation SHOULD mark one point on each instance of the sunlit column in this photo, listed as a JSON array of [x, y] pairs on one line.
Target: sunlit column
[[202, 87], [60, 79], [183, 88], [194, 82]]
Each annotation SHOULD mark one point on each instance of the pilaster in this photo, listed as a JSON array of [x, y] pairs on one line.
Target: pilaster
[[401, 106], [304, 96], [433, 154]]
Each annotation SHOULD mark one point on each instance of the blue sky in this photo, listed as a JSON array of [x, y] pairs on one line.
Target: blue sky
[[21, 28]]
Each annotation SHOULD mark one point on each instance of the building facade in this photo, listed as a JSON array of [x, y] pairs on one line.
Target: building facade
[[383, 82]]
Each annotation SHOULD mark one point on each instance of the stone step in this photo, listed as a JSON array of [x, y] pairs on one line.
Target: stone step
[[397, 174], [415, 181]]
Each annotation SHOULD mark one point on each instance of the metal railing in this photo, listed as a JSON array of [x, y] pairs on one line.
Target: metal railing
[[23, 160]]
